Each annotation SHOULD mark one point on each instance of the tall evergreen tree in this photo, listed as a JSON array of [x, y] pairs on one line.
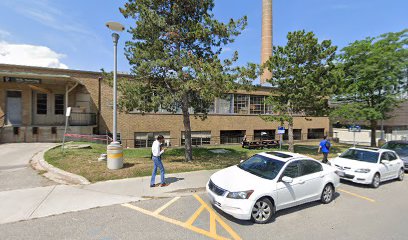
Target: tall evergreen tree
[[304, 76], [175, 57], [375, 77]]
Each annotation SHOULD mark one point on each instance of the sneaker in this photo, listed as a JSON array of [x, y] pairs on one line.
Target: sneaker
[[164, 185], [154, 185]]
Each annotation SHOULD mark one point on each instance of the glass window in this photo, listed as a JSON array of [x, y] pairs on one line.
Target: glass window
[[224, 105], [361, 155], [264, 134], [292, 170], [262, 166], [315, 133], [59, 104], [257, 105], [297, 134], [232, 136], [392, 156], [309, 167], [41, 103], [146, 139], [241, 104], [198, 138]]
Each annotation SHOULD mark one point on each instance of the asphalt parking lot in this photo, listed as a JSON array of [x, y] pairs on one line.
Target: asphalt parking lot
[[357, 212]]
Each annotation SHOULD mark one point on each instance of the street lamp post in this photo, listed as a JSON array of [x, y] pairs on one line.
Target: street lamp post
[[114, 149]]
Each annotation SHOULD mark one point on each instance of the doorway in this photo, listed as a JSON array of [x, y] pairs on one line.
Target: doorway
[[13, 114]]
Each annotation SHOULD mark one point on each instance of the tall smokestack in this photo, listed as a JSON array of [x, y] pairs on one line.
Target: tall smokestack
[[267, 37]]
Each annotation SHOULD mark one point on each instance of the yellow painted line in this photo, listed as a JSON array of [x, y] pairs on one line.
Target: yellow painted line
[[175, 222], [233, 234], [116, 155], [159, 210], [192, 219], [213, 224], [356, 195]]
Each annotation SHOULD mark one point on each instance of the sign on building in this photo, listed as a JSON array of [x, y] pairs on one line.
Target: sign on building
[[22, 80]]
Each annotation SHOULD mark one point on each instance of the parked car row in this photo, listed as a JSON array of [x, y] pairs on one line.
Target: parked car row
[[271, 181]]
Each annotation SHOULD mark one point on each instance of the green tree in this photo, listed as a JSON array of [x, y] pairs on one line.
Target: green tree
[[304, 75], [175, 58], [374, 69]]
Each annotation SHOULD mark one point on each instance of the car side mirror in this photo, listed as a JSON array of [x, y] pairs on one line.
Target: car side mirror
[[286, 179], [385, 161], [241, 161]]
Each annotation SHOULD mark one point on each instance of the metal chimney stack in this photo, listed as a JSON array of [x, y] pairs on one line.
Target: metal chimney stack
[[267, 37]]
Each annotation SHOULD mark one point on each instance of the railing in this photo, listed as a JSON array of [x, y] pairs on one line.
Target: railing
[[82, 119]]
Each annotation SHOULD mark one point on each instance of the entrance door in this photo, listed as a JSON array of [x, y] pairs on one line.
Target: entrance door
[[13, 108]]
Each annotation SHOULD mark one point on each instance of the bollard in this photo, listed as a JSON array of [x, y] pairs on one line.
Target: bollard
[[115, 156]]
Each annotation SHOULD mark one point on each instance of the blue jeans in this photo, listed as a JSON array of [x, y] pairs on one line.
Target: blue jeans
[[157, 164]]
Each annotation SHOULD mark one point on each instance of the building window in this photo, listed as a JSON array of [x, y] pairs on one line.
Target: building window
[[146, 139], [241, 104], [257, 105], [232, 137], [198, 138], [264, 134], [59, 104], [224, 105], [297, 134], [315, 133], [41, 103]]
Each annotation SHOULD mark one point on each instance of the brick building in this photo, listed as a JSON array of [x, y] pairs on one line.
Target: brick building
[[33, 101]]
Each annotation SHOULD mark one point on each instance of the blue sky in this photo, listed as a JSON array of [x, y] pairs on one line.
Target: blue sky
[[72, 34]]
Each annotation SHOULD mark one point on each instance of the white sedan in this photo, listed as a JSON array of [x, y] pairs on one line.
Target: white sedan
[[271, 181], [369, 166]]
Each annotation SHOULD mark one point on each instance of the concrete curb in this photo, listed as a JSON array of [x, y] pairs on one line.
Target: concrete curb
[[54, 173]]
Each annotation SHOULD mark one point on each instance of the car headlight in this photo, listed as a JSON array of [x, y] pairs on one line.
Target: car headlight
[[240, 195], [363, 170]]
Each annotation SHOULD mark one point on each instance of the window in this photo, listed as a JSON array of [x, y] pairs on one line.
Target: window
[[41, 103], [59, 104], [264, 134], [241, 104], [392, 156], [292, 170], [257, 105], [361, 155], [146, 139], [224, 105], [262, 166], [35, 130], [231, 137], [309, 167], [315, 133], [297, 134], [198, 138]]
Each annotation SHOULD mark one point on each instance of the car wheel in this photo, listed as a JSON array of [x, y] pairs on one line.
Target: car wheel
[[327, 194], [401, 174], [376, 180], [262, 211]]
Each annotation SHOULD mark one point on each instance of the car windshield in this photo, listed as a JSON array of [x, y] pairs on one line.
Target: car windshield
[[262, 166], [361, 155], [400, 148]]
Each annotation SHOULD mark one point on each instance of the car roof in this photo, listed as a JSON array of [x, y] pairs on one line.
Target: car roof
[[398, 141], [283, 156]]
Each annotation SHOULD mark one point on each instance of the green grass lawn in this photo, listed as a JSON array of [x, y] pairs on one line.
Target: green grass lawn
[[138, 163]]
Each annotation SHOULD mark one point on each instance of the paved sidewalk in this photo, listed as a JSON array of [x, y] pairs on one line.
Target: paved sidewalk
[[24, 204]]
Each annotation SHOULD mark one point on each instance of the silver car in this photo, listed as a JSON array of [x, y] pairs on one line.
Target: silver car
[[401, 148]]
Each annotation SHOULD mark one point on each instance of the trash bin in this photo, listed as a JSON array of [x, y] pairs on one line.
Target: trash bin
[[115, 156]]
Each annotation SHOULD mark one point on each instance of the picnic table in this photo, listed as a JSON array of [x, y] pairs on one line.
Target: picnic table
[[260, 144]]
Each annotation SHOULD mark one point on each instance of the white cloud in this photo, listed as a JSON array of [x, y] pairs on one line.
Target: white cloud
[[30, 55], [4, 34]]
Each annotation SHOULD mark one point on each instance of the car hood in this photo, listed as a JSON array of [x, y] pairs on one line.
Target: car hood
[[348, 164], [234, 179]]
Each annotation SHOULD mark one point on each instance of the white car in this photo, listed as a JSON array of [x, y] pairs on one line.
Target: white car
[[369, 166], [271, 181]]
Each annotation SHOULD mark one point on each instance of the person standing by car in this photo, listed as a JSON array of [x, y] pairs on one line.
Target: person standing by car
[[324, 147], [157, 151]]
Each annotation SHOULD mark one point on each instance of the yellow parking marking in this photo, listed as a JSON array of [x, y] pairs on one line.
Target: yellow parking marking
[[159, 210], [356, 195], [192, 219], [214, 218]]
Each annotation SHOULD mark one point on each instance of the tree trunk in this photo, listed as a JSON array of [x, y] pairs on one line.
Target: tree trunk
[[290, 133], [373, 133], [187, 130]]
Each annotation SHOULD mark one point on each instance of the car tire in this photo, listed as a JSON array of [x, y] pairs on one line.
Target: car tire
[[376, 180], [262, 211], [401, 175], [327, 194]]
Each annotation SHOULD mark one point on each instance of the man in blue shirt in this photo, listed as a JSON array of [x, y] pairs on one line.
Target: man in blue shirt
[[324, 147]]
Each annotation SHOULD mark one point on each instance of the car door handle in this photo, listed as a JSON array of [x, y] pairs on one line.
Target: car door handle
[[302, 181]]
